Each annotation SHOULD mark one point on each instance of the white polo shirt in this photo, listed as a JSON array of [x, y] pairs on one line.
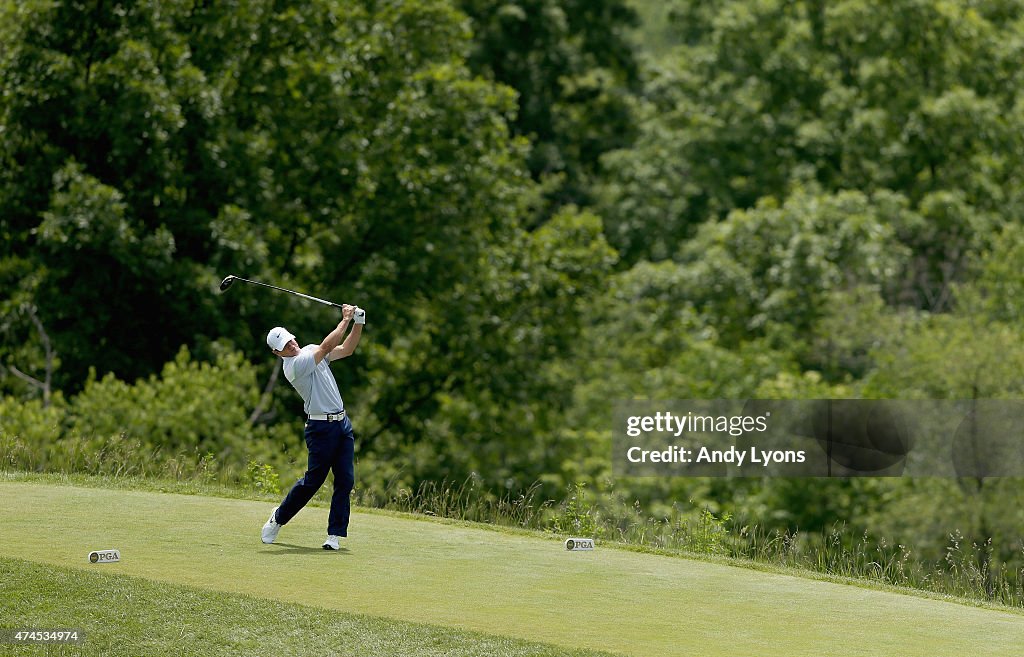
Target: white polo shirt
[[314, 382]]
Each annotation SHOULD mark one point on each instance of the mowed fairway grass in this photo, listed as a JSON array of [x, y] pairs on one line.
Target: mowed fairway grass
[[125, 616], [475, 580]]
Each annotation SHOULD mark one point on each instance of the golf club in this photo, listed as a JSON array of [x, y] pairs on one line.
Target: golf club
[[229, 280]]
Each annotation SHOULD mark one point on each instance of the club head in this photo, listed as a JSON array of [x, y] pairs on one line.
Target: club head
[[226, 283]]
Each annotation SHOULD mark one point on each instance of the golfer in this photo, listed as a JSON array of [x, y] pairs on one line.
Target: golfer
[[329, 436]]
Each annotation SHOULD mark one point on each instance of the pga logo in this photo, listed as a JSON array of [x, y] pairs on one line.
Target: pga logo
[[104, 556], [577, 544]]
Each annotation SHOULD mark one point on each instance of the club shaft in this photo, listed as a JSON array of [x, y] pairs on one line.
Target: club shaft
[[298, 294]]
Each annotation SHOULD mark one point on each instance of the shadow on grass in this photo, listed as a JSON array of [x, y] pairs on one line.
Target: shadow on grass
[[290, 548]]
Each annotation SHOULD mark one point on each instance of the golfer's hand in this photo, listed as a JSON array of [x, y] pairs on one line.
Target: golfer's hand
[[347, 311]]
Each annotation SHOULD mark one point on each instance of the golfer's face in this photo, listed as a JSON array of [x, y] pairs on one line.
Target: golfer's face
[[291, 348]]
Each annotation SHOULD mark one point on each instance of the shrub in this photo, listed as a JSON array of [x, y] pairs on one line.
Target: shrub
[[576, 516], [191, 421], [262, 478]]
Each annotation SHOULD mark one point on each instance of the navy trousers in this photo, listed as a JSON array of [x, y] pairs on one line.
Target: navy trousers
[[331, 446]]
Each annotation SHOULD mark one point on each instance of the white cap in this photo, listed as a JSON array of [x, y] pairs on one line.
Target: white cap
[[278, 338]]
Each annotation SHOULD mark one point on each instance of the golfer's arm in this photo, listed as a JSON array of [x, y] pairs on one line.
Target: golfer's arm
[[348, 347], [331, 342]]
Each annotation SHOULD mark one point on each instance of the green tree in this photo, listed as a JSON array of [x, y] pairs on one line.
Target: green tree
[[762, 97], [574, 68], [481, 381], [775, 265], [342, 148]]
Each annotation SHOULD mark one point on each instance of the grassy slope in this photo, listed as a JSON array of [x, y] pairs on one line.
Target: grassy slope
[[517, 586], [130, 617]]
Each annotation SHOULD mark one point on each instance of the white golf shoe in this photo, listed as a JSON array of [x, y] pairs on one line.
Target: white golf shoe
[[331, 543], [272, 527]]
